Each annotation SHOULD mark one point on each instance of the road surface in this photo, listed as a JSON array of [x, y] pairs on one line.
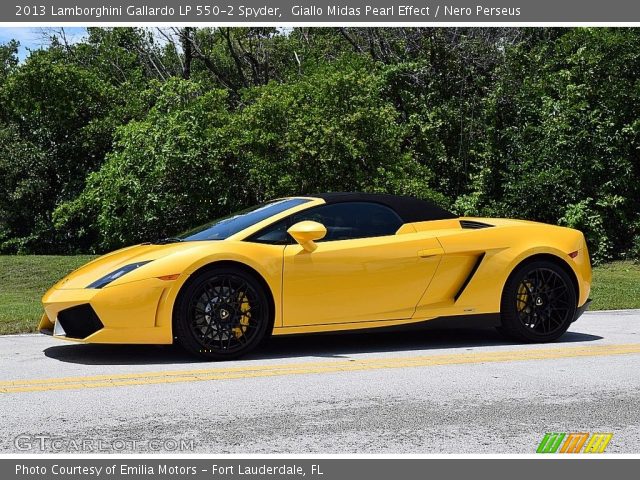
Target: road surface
[[455, 391]]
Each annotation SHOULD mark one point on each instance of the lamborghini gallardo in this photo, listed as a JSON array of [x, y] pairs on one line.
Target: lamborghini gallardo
[[326, 262]]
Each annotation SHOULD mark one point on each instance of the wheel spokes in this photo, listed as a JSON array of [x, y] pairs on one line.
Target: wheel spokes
[[543, 301], [225, 313]]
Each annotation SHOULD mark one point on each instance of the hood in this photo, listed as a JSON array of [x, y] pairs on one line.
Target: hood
[[110, 262]]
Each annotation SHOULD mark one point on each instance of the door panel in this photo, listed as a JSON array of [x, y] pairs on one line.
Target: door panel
[[366, 279]]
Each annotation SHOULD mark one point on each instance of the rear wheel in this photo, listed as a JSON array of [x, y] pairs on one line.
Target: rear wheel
[[222, 314], [539, 303]]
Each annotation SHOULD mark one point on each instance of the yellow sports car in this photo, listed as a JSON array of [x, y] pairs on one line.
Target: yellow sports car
[[326, 262]]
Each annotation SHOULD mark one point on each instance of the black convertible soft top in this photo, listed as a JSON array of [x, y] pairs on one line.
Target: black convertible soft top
[[409, 209]]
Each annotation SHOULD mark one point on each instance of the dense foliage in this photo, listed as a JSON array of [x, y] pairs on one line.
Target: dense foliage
[[132, 134]]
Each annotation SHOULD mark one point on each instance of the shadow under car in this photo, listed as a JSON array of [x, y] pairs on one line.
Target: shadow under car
[[327, 345]]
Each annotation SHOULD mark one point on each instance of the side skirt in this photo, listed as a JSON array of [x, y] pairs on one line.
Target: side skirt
[[481, 320]]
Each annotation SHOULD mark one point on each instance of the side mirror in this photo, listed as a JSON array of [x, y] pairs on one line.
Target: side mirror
[[306, 232]]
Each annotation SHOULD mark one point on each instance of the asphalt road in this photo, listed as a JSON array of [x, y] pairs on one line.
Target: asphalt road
[[421, 392]]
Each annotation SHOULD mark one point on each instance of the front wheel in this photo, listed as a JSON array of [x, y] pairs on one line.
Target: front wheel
[[539, 302], [223, 313]]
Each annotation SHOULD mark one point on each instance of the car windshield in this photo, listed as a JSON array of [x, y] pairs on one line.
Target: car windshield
[[225, 227]]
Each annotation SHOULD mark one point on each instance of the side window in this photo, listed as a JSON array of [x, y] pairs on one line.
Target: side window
[[344, 221], [275, 234]]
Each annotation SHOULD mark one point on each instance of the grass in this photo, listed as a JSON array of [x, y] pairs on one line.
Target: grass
[[24, 279], [616, 286]]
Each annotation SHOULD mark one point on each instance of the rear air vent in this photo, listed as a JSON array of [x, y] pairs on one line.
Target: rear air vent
[[80, 321], [473, 225]]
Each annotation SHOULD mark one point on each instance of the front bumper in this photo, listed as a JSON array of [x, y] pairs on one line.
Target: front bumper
[[124, 313]]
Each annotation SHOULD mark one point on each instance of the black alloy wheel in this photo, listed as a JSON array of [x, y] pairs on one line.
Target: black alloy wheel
[[222, 314], [539, 302]]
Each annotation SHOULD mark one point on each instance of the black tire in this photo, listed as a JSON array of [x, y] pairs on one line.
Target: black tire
[[539, 302], [222, 313]]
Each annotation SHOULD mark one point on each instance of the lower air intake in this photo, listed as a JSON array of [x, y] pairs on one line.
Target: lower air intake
[[80, 321]]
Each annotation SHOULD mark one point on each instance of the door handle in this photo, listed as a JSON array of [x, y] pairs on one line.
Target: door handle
[[430, 252]]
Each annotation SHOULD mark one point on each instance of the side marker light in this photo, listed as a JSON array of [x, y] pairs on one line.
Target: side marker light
[[169, 277]]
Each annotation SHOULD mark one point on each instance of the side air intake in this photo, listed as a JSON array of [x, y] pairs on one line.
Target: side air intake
[[472, 272], [473, 225]]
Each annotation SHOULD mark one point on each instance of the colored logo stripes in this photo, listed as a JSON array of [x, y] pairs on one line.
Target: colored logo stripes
[[574, 442]]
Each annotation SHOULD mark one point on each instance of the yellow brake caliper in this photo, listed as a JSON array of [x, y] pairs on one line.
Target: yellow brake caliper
[[523, 294], [244, 320]]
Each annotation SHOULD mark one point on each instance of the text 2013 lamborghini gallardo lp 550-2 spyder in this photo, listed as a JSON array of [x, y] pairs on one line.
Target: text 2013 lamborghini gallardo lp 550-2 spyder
[[327, 262]]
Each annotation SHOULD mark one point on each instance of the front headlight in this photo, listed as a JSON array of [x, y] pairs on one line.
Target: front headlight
[[107, 279]]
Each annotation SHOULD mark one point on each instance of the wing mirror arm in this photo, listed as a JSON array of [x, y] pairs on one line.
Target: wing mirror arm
[[306, 233]]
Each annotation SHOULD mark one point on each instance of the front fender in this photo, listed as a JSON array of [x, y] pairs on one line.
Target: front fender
[[266, 260]]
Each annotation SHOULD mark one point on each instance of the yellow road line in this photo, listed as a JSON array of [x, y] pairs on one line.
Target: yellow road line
[[330, 366]]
